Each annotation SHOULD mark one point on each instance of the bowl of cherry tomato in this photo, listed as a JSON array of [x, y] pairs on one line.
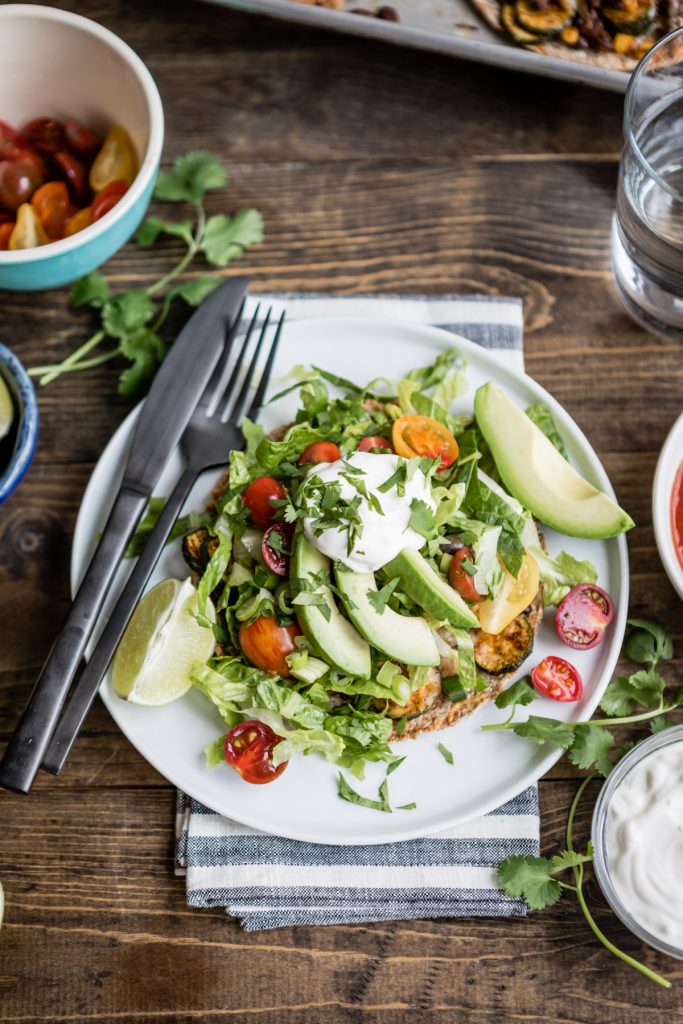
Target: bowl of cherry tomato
[[81, 135]]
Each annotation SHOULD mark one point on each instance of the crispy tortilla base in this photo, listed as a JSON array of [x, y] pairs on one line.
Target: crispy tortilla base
[[490, 11]]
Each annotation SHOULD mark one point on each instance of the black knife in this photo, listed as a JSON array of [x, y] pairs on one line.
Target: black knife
[[172, 399]]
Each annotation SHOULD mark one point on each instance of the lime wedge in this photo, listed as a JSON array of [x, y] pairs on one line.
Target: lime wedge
[[6, 409], [161, 643]]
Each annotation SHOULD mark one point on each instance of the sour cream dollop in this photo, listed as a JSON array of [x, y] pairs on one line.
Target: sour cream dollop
[[381, 536], [645, 843]]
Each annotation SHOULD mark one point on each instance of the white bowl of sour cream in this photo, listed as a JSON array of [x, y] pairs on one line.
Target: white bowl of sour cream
[[638, 839]]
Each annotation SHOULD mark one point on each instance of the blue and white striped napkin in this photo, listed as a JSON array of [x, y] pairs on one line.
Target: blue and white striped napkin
[[271, 882]]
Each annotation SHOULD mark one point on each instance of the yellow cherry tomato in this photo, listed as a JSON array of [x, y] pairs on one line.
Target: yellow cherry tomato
[[76, 223], [420, 435], [28, 231], [512, 597], [116, 161]]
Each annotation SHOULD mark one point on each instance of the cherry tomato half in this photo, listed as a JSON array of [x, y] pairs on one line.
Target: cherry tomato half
[[558, 679], [80, 220], [18, 181], [28, 231], [265, 644], [51, 202], [319, 451], [80, 140], [73, 172], [258, 498], [421, 435], [46, 134], [6, 229], [369, 444], [116, 159], [107, 199], [583, 616], [276, 547], [459, 578], [249, 750]]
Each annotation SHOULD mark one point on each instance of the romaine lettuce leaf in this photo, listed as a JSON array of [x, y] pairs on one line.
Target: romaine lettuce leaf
[[560, 574], [304, 741]]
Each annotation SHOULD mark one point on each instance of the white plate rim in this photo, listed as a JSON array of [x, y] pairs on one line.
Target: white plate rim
[[436, 338]]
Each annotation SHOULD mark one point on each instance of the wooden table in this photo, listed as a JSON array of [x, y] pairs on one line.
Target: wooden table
[[377, 170]]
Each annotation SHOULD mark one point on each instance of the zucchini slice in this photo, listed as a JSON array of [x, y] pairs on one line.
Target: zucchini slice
[[519, 34], [548, 22], [634, 21], [504, 652], [198, 546]]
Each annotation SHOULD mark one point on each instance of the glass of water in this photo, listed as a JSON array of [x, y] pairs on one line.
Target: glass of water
[[647, 228]]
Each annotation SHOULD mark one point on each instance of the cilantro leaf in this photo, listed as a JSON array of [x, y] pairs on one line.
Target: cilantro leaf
[[125, 313], [570, 859], [195, 291], [91, 290], [590, 748], [422, 518], [545, 730], [145, 350], [152, 227], [625, 693], [447, 755], [226, 238], [530, 878], [648, 642], [379, 598], [193, 174], [520, 693]]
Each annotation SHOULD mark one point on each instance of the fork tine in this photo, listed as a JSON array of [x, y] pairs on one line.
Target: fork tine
[[257, 401], [230, 334], [230, 386], [240, 401]]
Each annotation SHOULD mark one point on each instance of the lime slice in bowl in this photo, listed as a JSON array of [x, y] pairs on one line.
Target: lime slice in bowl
[[162, 641], [6, 409]]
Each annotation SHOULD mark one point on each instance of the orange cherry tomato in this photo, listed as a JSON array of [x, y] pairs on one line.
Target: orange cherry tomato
[[51, 202], [80, 220], [458, 576], [6, 229], [28, 231], [265, 644], [319, 451], [421, 435], [369, 444], [259, 497], [107, 199], [115, 160]]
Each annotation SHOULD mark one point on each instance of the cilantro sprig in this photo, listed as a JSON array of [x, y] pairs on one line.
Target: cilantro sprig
[[590, 746], [132, 320]]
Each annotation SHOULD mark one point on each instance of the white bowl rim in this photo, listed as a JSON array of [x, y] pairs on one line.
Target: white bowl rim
[[152, 155], [670, 459]]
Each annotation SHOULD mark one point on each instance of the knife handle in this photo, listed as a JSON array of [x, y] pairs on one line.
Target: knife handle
[[86, 688], [28, 743]]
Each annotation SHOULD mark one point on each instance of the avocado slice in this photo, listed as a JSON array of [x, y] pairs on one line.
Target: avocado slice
[[427, 589], [335, 640], [537, 475], [404, 638]]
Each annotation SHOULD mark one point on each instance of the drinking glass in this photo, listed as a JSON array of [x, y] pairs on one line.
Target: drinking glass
[[647, 228]]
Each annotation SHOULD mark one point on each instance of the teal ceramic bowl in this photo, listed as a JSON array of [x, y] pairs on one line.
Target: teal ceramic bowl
[[17, 448], [59, 64]]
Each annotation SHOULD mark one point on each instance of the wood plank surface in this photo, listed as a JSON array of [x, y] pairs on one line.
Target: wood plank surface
[[377, 170]]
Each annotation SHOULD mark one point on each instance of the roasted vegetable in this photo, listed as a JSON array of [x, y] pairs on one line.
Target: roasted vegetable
[[633, 18], [504, 652], [519, 34], [547, 23], [198, 546]]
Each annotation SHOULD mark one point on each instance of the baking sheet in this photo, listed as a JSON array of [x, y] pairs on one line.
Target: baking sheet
[[447, 26]]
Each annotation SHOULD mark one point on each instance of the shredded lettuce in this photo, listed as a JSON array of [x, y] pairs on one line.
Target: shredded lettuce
[[304, 741], [215, 570], [489, 572], [214, 752], [467, 667], [560, 574]]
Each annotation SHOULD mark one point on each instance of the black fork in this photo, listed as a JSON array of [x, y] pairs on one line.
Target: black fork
[[208, 438]]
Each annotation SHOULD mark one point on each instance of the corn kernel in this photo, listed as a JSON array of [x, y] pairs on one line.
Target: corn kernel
[[570, 35], [623, 43]]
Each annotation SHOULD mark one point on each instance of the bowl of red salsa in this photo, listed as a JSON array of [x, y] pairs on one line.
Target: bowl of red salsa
[[81, 134], [667, 505]]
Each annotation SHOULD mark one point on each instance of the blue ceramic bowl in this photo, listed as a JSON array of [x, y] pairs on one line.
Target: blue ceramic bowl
[[24, 433], [60, 64]]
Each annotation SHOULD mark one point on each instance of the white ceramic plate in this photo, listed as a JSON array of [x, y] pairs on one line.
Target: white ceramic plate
[[489, 768]]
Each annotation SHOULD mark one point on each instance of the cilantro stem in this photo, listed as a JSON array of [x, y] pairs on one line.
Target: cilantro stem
[[578, 877], [661, 709], [53, 370], [182, 264]]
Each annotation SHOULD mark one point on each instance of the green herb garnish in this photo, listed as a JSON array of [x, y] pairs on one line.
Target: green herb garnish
[[445, 752], [380, 598]]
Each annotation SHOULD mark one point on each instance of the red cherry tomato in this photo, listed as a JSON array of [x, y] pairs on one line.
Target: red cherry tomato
[[258, 497], [276, 547], [107, 199], [73, 172], [51, 202], [80, 140], [557, 679], [46, 134], [6, 229], [319, 451], [18, 182], [249, 750], [265, 644], [10, 141], [583, 616], [368, 444], [459, 578]]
